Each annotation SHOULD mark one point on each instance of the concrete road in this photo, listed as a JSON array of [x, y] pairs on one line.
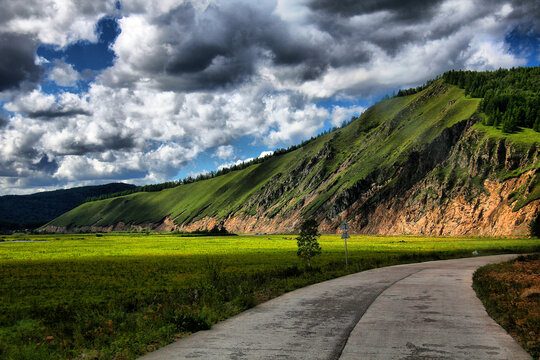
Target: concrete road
[[415, 311]]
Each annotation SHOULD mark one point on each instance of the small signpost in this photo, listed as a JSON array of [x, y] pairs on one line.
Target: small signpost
[[345, 236]]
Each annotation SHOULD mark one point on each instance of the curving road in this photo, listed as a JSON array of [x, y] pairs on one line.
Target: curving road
[[414, 311]]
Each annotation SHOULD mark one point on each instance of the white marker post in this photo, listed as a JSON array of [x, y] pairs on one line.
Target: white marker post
[[345, 236]]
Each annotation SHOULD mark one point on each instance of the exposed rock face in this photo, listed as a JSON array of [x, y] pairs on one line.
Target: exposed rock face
[[461, 184], [490, 213]]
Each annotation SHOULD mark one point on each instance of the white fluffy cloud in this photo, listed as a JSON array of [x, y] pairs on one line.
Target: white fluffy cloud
[[224, 152], [289, 122], [36, 104], [341, 114], [58, 22], [233, 163], [265, 153], [194, 76], [63, 74]]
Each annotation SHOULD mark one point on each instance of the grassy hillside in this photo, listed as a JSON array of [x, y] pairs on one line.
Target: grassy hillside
[[20, 211], [378, 140], [394, 143]]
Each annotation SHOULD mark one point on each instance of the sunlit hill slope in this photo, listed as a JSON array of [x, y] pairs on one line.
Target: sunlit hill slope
[[416, 164]]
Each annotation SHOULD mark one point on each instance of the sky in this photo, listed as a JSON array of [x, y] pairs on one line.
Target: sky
[[145, 91]]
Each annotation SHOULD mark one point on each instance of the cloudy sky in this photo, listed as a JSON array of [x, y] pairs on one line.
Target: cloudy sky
[[147, 91]]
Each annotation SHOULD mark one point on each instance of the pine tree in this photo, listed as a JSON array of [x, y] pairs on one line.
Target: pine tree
[[497, 118], [507, 123], [536, 125]]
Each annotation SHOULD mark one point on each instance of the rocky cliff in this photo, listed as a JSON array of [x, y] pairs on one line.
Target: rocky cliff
[[480, 186], [463, 183]]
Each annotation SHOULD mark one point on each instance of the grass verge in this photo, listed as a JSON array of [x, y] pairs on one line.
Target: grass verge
[[511, 294]]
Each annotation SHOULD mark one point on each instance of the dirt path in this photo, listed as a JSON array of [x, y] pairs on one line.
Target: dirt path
[[414, 311]]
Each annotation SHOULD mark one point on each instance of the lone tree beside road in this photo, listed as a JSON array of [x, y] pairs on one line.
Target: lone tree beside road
[[308, 244]]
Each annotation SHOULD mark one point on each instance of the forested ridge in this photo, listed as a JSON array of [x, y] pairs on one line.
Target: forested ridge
[[31, 211], [511, 98]]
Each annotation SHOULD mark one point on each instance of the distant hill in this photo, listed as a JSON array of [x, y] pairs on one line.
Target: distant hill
[[31, 211], [434, 160]]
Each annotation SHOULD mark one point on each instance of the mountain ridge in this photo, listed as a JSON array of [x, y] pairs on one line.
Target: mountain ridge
[[385, 159], [34, 210]]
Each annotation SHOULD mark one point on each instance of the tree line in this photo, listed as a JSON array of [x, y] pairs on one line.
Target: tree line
[[511, 97], [414, 90]]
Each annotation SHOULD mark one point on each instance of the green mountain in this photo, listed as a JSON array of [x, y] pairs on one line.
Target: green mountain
[[429, 161], [31, 211]]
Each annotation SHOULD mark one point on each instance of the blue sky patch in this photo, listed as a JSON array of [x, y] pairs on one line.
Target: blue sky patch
[[84, 54], [524, 41]]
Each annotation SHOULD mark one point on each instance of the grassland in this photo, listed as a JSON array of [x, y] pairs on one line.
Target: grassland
[[522, 136], [511, 294], [116, 296]]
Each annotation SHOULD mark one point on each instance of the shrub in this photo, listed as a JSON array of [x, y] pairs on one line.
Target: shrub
[[534, 226]]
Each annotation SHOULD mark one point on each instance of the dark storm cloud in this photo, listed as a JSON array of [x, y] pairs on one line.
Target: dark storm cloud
[[227, 71], [11, 9], [391, 34], [56, 112], [108, 142], [195, 58], [18, 66], [22, 159], [211, 50], [223, 44], [405, 22], [7, 169], [3, 121], [402, 10], [34, 8], [45, 165], [527, 13]]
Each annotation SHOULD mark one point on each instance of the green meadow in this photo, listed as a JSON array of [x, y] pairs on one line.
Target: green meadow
[[117, 296]]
